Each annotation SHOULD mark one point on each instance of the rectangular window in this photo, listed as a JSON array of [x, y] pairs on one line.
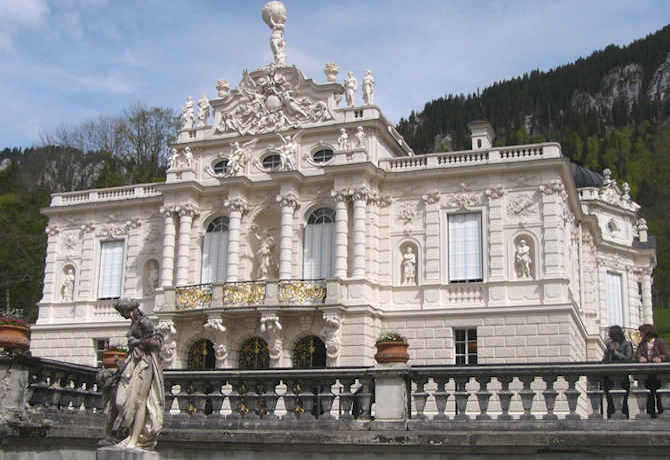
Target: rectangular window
[[466, 346], [614, 299], [100, 345], [111, 270], [465, 247]]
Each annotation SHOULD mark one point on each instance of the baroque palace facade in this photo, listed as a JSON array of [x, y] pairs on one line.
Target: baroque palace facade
[[296, 225]]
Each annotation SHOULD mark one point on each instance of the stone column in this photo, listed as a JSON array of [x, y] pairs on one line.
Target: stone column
[[169, 234], [237, 207], [431, 269], [553, 240], [360, 197], [288, 203], [647, 310], [186, 214], [341, 232], [496, 234]]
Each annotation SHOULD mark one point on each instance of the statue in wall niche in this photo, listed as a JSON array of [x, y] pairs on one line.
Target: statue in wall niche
[[187, 115], [343, 140], [266, 244], [67, 286], [408, 266], [523, 260], [203, 111], [368, 88], [188, 158], [350, 87], [151, 277], [360, 137], [140, 393]]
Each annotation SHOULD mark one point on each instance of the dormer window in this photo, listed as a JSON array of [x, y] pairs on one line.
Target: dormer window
[[220, 167], [272, 162], [322, 156]]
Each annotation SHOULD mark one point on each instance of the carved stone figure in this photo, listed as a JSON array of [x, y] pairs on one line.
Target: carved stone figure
[[350, 87], [151, 277], [266, 246], [140, 397], [368, 88], [203, 111], [173, 158], [222, 88], [331, 71], [188, 158], [274, 15], [408, 266], [523, 260], [270, 329], [169, 349], [187, 115], [289, 151], [330, 332], [221, 352], [215, 324], [67, 287], [360, 137], [343, 141]]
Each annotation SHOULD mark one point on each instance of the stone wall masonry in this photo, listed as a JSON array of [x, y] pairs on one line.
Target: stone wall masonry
[[73, 345]]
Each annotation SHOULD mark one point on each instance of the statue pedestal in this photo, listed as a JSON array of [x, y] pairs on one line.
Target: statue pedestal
[[115, 453]]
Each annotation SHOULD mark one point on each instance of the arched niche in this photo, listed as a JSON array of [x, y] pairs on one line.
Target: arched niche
[[406, 265], [201, 355], [263, 244], [524, 257], [254, 354], [309, 352], [66, 291]]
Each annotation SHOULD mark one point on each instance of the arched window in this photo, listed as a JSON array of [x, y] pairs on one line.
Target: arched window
[[220, 166], [254, 354], [309, 352], [319, 250], [272, 161], [322, 156], [215, 251], [201, 355]]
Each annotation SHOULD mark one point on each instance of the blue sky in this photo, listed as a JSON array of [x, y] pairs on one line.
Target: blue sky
[[67, 61]]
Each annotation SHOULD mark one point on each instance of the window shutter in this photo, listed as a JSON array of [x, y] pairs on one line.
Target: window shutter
[[111, 269], [614, 300]]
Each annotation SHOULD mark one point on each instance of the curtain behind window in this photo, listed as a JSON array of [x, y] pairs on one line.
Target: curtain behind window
[[465, 247], [111, 269]]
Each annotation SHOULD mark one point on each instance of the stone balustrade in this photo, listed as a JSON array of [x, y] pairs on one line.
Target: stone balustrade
[[107, 194]]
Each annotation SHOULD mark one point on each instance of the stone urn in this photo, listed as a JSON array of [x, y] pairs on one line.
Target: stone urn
[[111, 358], [331, 71], [14, 335], [391, 348]]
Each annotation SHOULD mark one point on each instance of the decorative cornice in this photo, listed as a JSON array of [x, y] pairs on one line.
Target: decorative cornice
[[111, 231], [465, 200]]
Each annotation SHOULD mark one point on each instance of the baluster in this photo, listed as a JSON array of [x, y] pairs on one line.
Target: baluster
[[483, 396], [268, 398], [461, 396], [641, 396], [441, 396], [40, 388], [550, 397], [65, 391], [346, 399], [308, 398], [420, 396], [326, 398], [169, 396], [90, 395], [198, 399], [364, 396], [527, 395], [249, 398], [505, 397], [216, 397], [183, 398], [595, 394], [572, 395], [291, 399], [663, 393]]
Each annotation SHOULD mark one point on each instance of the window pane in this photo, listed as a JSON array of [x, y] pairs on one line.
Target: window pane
[[472, 359], [465, 247], [322, 156], [460, 335], [614, 300], [460, 348], [111, 269], [460, 360], [472, 334]]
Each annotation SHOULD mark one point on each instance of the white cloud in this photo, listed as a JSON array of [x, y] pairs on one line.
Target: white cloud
[[23, 12]]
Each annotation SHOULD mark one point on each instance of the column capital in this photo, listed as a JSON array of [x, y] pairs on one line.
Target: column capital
[[236, 204], [361, 193], [288, 200], [342, 195], [187, 210], [168, 211]]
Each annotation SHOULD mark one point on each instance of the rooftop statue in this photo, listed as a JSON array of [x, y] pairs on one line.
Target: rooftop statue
[[274, 15], [350, 87], [203, 111], [368, 88], [187, 115]]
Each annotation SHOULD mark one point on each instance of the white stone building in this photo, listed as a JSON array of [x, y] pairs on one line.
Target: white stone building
[[297, 225]]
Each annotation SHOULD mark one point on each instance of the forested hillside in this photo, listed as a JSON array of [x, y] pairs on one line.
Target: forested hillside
[[610, 110]]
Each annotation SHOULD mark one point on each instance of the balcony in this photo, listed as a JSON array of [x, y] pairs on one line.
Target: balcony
[[514, 409]]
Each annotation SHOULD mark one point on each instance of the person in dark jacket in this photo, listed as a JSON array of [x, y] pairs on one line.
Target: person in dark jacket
[[652, 349], [619, 350]]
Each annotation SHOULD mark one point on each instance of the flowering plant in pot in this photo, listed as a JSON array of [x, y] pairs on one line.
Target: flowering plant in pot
[[112, 355], [391, 348], [14, 334]]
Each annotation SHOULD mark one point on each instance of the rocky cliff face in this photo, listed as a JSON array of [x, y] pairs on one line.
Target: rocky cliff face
[[659, 86], [621, 83]]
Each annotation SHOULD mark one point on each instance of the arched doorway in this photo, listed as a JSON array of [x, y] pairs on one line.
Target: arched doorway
[[309, 352], [254, 354], [201, 355]]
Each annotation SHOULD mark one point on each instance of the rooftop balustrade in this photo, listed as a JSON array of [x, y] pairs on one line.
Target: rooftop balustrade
[[107, 194]]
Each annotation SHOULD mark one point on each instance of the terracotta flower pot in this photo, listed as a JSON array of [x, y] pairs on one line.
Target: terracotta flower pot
[[15, 337], [111, 358], [392, 352]]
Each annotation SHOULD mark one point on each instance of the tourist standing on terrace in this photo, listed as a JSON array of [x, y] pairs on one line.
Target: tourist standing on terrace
[[652, 349], [619, 350]]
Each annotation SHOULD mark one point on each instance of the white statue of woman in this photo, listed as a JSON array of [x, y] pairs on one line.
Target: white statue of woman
[[187, 116], [360, 137], [368, 88], [350, 87], [408, 266], [523, 260], [67, 288], [343, 140], [203, 111], [266, 244]]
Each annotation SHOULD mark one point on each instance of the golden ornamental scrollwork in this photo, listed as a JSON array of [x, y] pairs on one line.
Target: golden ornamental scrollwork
[[302, 292], [193, 297], [243, 293]]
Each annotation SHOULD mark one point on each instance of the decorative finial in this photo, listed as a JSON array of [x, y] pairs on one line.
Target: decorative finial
[[331, 71], [274, 15]]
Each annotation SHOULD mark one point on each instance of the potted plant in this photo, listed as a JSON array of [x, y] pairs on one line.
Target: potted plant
[[14, 334], [112, 355], [391, 348]]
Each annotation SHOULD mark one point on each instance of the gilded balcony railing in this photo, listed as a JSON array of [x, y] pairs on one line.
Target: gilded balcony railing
[[244, 293], [193, 297], [302, 292]]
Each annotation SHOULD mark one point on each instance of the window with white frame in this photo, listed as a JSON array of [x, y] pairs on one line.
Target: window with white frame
[[319, 245], [614, 299], [100, 346], [215, 251], [465, 247], [111, 270], [465, 346]]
